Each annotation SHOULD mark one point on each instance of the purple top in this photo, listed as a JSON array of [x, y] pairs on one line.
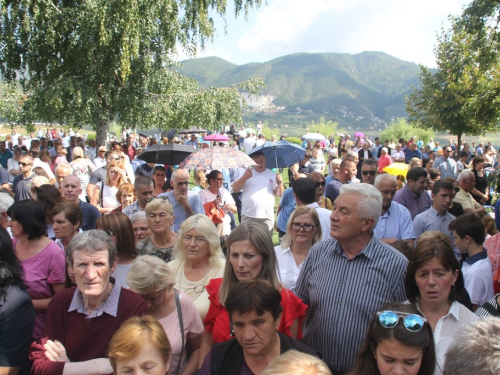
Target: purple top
[[46, 267], [416, 204]]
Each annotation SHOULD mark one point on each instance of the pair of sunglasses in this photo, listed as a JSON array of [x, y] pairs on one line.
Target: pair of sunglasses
[[390, 319]]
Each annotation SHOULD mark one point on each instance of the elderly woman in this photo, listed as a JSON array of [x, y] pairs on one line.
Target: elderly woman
[[83, 169], [17, 311], [119, 227], [104, 193], [140, 226], [302, 231], [126, 196], [255, 309], [159, 178], [95, 308], [198, 260], [434, 282], [160, 216], [151, 278], [42, 259], [320, 182], [139, 344], [251, 256], [66, 220]]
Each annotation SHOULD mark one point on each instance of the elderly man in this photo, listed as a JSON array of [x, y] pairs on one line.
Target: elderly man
[[467, 181], [445, 164], [347, 173], [395, 223], [347, 278], [412, 152], [398, 155], [21, 187], [71, 189], [100, 161], [81, 320], [384, 160], [62, 171], [413, 195], [143, 190], [193, 141], [259, 186], [369, 171], [184, 202]]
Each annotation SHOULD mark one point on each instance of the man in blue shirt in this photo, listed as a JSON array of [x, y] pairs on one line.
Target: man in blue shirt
[[395, 223], [5, 154], [413, 152]]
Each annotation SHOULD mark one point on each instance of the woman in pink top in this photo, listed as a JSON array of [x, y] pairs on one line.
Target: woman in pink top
[[42, 259]]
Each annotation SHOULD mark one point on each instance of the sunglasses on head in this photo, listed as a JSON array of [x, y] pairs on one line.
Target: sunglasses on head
[[390, 319], [371, 173], [320, 183]]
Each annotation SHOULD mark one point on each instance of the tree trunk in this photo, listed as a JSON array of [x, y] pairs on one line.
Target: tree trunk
[[459, 144], [102, 134]]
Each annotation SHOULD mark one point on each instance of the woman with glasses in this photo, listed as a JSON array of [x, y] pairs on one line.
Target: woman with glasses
[[104, 193], [152, 279], [434, 282], [140, 225], [119, 227], [399, 340], [251, 256], [322, 201], [160, 217], [159, 178], [198, 260], [302, 231]]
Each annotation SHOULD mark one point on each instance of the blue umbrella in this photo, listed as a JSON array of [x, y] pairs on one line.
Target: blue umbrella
[[280, 154]]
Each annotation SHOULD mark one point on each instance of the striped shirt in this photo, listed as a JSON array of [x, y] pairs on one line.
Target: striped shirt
[[344, 294]]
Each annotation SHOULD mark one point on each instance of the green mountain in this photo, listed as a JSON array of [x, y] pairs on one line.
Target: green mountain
[[368, 87]]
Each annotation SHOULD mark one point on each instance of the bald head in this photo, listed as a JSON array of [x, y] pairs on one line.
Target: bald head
[[180, 181], [71, 188]]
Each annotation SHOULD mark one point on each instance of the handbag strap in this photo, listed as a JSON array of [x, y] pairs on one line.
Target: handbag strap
[[181, 327]]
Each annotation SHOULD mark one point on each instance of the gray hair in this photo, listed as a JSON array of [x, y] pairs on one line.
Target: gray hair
[[476, 350], [176, 172], [385, 149], [138, 216], [369, 200], [63, 166], [142, 181], [92, 240], [465, 175], [6, 201], [149, 274], [384, 176]]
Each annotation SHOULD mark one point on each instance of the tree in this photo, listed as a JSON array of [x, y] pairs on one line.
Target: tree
[[401, 129], [462, 95], [93, 61]]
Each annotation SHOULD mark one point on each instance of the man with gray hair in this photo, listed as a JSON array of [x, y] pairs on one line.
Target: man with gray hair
[[467, 181], [395, 223], [71, 189], [476, 351], [81, 320], [345, 279], [143, 190], [6, 201]]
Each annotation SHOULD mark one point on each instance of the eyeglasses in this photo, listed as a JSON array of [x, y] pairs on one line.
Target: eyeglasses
[[412, 322], [162, 198], [182, 183], [305, 227], [102, 150], [108, 232], [198, 240], [115, 158], [320, 183], [371, 173], [25, 164], [219, 179]]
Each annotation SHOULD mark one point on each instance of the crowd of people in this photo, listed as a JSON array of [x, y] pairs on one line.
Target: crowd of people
[[110, 265]]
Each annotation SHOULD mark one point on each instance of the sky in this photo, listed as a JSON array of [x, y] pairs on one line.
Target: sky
[[405, 29]]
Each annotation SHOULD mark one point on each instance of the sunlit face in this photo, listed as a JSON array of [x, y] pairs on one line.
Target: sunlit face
[[114, 173], [181, 182], [160, 219], [149, 361], [245, 260], [442, 200], [387, 188], [63, 227], [261, 163], [394, 358], [141, 230], [346, 223], [368, 174], [70, 188], [126, 198], [16, 228], [218, 180], [159, 177], [351, 170], [92, 270], [255, 333], [144, 193], [196, 246], [302, 236], [25, 165], [434, 282], [335, 169]]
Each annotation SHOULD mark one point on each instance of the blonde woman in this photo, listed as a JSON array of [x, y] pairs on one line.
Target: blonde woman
[[198, 259], [83, 169], [200, 180], [104, 193], [152, 279]]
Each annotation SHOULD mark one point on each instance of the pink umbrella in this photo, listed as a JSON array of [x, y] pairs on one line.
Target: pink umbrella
[[361, 135], [216, 137]]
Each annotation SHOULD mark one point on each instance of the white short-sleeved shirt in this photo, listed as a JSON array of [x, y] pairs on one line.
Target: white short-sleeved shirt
[[478, 278], [226, 198], [258, 195]]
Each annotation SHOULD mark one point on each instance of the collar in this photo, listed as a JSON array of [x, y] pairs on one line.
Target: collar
[[110, 306], [367, 251], [313, 205], [435, 213], [477, 257], [287, 250]]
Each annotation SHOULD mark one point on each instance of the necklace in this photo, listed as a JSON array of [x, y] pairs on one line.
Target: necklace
[[197, 289]]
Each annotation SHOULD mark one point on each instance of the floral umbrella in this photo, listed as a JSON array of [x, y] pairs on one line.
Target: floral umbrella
[[217, 157]]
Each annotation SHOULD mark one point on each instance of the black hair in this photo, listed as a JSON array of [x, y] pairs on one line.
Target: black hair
[[31, 215], [416, 173], [442, 185], [213, 175], [11, 271], [469, 224], [305, 190]]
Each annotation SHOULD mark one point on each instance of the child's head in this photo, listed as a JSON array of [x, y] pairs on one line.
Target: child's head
[[467, 228]]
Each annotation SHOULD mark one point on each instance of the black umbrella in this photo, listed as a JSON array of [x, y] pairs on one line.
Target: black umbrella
[[171, 154]]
